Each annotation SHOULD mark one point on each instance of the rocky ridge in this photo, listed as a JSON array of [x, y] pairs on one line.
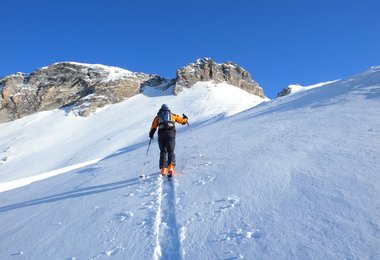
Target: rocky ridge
[[206, 69], [86, 87]]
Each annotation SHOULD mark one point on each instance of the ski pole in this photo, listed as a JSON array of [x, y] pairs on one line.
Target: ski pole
[[146, 159], [195, 140]]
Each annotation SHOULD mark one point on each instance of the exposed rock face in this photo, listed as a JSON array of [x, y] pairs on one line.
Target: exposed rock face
[[206, 69], [284, 92], [86, 87]]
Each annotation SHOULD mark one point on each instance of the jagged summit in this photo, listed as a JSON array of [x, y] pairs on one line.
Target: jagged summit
[[206, 69], [87, 87]]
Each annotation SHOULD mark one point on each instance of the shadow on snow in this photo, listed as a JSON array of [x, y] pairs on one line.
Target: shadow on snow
[[73, 194]]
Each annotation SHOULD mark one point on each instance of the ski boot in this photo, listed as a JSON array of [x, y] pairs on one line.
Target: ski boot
[[163, 171], [170, 170]]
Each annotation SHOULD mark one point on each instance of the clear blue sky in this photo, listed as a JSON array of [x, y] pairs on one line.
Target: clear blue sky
[[278, 42]]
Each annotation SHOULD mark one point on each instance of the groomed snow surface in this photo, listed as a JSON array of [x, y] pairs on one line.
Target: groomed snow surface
[[293, 178]]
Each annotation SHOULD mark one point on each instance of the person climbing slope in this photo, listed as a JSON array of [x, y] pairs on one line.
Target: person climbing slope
[[165, 122]]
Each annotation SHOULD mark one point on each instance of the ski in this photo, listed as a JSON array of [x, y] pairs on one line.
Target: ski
[[169, 175]]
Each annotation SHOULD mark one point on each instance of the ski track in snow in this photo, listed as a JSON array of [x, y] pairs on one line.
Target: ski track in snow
[[168, 242], [157, 250]]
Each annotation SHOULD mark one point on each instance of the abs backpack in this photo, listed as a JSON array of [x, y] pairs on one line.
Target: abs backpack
[[165, 119]]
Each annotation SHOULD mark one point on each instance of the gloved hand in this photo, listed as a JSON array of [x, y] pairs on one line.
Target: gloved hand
[[184, 117], [151, 133]]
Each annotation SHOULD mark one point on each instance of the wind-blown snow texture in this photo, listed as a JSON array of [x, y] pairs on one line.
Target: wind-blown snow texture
[[293, 178]]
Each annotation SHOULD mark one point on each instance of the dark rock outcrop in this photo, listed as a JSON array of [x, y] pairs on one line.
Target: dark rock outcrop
[[284, 92]]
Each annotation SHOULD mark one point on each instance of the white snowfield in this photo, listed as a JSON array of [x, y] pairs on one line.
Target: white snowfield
[[293, 178]]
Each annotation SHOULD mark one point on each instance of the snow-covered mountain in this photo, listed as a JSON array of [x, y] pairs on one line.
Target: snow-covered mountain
[[84, 88], [292, 178]]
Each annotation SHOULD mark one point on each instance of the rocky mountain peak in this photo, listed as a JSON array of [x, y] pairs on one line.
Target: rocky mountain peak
[[84, 86], [206, 69]]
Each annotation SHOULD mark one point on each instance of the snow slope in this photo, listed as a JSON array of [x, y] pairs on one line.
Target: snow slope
[[293, 178]]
